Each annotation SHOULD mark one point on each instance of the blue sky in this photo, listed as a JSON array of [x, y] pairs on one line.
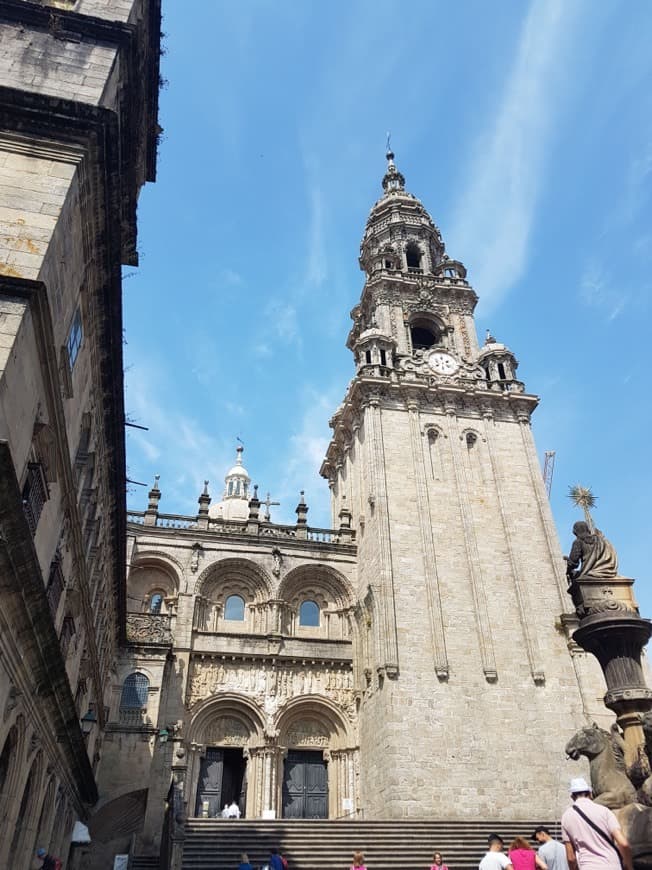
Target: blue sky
[[526, 130]]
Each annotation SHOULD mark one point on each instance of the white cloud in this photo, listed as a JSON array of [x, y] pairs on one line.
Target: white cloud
[[306, 452], [597, 291], [496, 210], [281, 323], [185, 452], [231, 278], [316, 270]]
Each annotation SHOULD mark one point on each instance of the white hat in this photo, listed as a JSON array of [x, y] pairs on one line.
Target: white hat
[[578, 785]]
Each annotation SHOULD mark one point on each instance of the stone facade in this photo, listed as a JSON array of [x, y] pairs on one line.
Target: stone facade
[[78, 104], [256, 681], [413, 661]]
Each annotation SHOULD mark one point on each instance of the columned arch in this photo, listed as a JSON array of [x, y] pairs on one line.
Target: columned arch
[[233, 577], [328, 589], [313, 727], [24, 832], [230, 726]]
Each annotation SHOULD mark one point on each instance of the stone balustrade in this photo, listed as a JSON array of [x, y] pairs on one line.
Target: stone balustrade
[[258, 529]]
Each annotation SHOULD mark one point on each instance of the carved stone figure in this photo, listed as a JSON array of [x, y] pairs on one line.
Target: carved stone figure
[[592, 556], [609, 781]]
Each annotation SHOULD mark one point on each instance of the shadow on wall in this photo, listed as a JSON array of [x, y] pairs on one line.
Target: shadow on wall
[[113, 825]]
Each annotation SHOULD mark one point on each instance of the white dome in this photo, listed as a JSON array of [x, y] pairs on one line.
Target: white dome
[[235, 501]]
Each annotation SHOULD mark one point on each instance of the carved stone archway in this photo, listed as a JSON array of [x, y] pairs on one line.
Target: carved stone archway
[[311, 723], [228, 722]]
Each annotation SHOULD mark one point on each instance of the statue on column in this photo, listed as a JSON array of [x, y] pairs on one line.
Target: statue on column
[[592, 556]]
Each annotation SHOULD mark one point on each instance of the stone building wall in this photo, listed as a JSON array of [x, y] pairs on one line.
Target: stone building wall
[[262, 685], [78, 104]]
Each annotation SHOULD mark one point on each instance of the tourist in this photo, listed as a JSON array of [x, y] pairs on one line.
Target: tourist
[[523, 856], [233, 810], [244, 862], [437, 863], [358, 861], [495, 859], [225, 811], [552, 851], [49, 862], [275, 862], [591, 833]]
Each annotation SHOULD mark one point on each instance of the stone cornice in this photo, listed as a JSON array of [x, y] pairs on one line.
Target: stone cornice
[[427, 394], [66, 24], [397, 288], [21, 583], [187, 536]]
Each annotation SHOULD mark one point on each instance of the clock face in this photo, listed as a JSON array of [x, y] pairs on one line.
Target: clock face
[[442, 363]]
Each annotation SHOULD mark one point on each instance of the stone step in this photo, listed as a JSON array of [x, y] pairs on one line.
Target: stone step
[[145, 862], [215, 844]]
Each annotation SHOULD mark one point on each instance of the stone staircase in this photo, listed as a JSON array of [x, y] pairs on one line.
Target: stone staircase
[[145, 862], [215, 844]]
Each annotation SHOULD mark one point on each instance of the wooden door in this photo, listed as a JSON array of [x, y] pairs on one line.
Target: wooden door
[[209, 787], [305, 786]]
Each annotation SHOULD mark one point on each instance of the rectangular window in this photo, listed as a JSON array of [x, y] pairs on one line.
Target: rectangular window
[[68, 631], [55, 585], [74, 339], [35, 494]]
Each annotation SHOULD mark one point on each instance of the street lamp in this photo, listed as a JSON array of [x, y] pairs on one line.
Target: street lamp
[[163, 735], [88, 720]]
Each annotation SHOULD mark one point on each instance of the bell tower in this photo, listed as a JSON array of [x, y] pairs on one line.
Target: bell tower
[[462, 660]]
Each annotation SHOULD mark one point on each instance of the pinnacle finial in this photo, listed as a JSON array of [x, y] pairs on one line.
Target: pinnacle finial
[[205, 488], [393, 180], [389, 154]]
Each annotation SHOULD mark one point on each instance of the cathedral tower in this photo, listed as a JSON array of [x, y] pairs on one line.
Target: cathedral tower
[[467, 684]]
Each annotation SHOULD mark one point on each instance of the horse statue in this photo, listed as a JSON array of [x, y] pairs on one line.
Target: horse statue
[[611, 786]]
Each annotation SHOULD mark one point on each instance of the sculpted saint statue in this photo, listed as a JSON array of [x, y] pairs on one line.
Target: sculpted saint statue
[[592, 557]]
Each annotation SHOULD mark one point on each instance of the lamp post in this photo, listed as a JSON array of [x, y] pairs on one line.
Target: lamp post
[[87, 722]]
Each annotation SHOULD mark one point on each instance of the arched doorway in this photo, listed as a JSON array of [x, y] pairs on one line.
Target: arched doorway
[[317, 778], [305, 785], [222, 734]]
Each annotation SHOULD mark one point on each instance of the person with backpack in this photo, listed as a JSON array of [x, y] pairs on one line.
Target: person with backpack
[[275, 862], [49, 861], [592, 834]]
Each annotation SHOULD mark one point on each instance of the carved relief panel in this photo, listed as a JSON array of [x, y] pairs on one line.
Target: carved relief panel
[[263, 680]]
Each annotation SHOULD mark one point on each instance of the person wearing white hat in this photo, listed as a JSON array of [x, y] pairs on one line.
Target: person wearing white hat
[[592, 834]]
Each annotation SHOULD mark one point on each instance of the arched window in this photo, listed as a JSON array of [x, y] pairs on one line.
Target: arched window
[[471, 439], [134, 692], [424, 334], [309, 614], [6, 758], [413, 256], [155, 602], [234, 608]]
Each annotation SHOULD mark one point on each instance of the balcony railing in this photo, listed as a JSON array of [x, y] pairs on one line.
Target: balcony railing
[[133, 717], [258, 528], [148, 628]]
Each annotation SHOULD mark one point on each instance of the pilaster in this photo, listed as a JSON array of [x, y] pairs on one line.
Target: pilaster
[[484, 629], [428, 544], [384, 589]]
